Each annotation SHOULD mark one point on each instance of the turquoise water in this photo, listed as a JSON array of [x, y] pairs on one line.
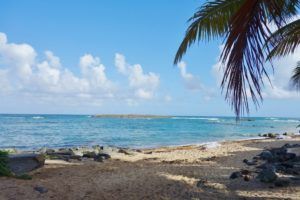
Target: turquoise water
[[35, 131]]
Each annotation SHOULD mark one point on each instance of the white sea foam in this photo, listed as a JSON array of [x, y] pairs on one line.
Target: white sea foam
[[37, 117], [286, 120], [211, 145], [272, 118], [198, 118]]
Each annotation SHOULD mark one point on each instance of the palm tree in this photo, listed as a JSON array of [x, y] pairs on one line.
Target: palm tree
[[249, 42], [296, 77]]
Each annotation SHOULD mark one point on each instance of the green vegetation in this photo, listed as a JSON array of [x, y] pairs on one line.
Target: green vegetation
[[4, 170], [249, 43]]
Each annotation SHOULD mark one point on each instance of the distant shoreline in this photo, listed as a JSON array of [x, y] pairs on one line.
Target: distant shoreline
[[131, 116]]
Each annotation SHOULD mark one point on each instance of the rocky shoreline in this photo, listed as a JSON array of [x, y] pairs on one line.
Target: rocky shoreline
[[22, 162], [279, 166], [265, 168]]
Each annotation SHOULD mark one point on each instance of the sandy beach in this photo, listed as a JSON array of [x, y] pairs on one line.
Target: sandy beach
[[185, 172]]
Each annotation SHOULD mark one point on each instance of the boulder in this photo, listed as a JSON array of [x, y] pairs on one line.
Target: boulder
[[101, 156], [23, 163], [247, 178], [250, 163], [90, 154], [235, 175], [281, 183], [61, 152], [267, 175], [41, 189], [266, 155]]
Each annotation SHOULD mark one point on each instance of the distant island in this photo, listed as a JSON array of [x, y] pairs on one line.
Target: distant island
[[131, 116]]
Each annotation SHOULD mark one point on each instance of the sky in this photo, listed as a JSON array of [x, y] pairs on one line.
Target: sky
[[116, 57]]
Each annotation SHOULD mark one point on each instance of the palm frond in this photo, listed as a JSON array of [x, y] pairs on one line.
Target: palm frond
[[285, 40], [245, 26], [244, 52], [296, 77], [210, 21]]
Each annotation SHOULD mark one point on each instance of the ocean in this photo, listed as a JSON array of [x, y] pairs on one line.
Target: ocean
[[26, 132]]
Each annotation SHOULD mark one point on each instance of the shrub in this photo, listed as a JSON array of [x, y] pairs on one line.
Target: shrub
[[4, 170]]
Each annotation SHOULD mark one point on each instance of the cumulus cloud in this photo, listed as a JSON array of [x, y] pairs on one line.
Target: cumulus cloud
[[26, 75], [190, 81], [143, 84], [280, 87], [193, 83], [22, 74]]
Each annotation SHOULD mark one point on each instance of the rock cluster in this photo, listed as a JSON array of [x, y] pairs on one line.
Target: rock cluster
[[96, 153], [284, 135], [20, 163], [272, 165]]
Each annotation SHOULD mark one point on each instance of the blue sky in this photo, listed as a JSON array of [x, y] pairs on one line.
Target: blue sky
[[116, 57]]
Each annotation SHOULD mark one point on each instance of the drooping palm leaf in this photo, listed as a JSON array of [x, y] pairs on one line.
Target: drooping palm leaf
[[210, 21], [244, 52], [285, 40], [296, 77], [245, 26]]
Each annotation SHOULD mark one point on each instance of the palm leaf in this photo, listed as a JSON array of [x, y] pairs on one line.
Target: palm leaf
[[296, 77], [244, 53], [245, 26], [285, 40], [210, 21]]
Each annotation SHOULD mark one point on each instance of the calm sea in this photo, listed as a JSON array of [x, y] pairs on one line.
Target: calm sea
[[35, 131]]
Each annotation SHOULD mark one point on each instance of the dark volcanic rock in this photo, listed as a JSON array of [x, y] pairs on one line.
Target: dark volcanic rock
[[266, 155], [89, 154], [267, 175], [247, 178], [281, 183], [235, 175], [250, 163], [41, 189], [101, 156], [23, 163]]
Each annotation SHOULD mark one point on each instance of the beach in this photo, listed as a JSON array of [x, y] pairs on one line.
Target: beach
[[182, 172]]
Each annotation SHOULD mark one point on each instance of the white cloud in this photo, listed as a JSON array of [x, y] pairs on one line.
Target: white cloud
[[143, 94], [19, 57], [21, 74], [143, 84], [190, 81], [193, 83], [25, 75], [120, 63], [283, 69], [94, 71]]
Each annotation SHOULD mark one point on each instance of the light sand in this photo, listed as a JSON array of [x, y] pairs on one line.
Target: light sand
[[164, 173]]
